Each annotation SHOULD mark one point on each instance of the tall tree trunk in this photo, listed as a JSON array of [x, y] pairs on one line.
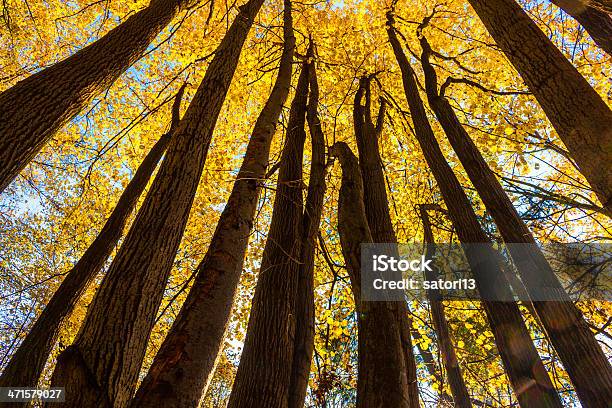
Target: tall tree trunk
[[305, 313], [102, 365], [603, 5], [525, 370], [377, 205], [564, 323], [444, 399], [27, 363], [37, 107], [382, 379], [461, 396], [579, 115], [596, 22], [183, 367], [264, 374]]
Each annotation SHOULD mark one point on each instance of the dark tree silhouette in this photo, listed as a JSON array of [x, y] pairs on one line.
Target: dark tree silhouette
[[185, 363], [579, 115], [264, 374], [525, 370], [568, 331], [37, 107], [101, 367]]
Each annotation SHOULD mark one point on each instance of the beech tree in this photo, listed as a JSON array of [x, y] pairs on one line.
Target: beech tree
[[525, 370], [461, 396], [382, 379], [376, 203], [567, 329], [579, 115], [263, 378], [183, 367], [35, 108], [101, 366], [311, 218], [28, 361]]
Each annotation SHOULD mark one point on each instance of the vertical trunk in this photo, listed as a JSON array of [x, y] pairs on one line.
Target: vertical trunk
[[525, 370], [382, 379], [37, 107], [430, 365], [27, 363], [102, 365], [377, 206], [596, 22], [183, 367], [568, 331], [304, 327], [461, 396], [579, 115], [264, 373]]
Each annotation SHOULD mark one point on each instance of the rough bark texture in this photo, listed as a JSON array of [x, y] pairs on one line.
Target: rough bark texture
[[382, 380], [461, 396], [568, 331], [113, 338], [595, 21], [525, 370], [603, 5], [376, 203], [37, 107], [183, 367], [305, 315], [264, 374], [579, 115], [27, 363]]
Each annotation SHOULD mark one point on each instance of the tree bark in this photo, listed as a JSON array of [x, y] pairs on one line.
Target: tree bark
[[111, 344], [264, 374], [578, 114], [382, 379], [568, 331], [377, 205], [305, 312], [185, 363], [27, 363], [602, 5], [37, 107], [595, 21], [461, 396], [525, 370]]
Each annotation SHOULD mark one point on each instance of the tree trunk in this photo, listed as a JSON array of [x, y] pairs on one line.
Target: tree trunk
[[184, 365], [27, 363], [461, 396], [377, 205], [568, 331], [37, 107], [382, 379], [264, 374], [105, 359], [525, 370], [596, 22], [602, 5], [305, 315], [579, 115], [444, 400]]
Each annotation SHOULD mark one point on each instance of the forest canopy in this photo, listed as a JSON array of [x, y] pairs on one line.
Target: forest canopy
[[186, 185]]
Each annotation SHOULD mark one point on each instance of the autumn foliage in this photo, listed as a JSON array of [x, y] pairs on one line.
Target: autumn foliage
[[185, 185]]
